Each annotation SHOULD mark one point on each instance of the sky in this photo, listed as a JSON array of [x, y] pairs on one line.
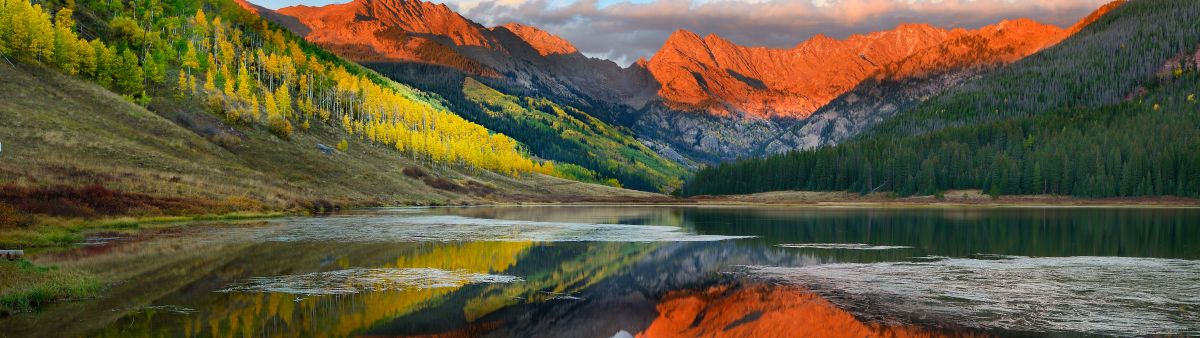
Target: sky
[[625, 30]]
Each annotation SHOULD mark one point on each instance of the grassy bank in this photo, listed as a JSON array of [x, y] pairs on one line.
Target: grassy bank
[[24, 285], [58, 232]]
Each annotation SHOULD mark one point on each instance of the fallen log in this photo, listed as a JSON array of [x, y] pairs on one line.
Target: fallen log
[[12, 255]]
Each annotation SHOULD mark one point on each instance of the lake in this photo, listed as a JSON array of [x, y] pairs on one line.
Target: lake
[[651, 271]]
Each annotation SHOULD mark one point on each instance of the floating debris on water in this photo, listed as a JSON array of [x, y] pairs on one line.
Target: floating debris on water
[[844, 246], [1122, 296], [351, 281], [458, 228]]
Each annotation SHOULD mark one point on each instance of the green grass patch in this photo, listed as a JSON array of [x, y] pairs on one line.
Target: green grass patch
[[58, 232], [24, 285]]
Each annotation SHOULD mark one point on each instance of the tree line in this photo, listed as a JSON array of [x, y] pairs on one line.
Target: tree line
[[250, 71], [1111, 111]]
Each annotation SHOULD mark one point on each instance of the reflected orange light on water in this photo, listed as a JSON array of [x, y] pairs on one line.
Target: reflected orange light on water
[[764, 311]]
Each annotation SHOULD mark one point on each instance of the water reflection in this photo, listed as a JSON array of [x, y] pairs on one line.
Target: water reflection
[[561, 272], [762, 310], [1039, 232]]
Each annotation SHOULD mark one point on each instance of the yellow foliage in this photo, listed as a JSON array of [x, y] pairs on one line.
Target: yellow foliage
[[270, 62]]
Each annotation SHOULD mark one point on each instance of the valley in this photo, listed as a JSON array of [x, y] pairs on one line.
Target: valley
[[164, 159]]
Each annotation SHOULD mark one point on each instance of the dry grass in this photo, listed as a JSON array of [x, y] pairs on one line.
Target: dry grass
[[75, 152]]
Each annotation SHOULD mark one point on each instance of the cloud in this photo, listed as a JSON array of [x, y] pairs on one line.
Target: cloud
[[624, 31]]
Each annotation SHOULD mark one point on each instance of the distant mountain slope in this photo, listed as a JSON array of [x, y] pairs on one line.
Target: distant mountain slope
[[224, 112], [715, 75], [1111, 111], [1101, 65], [922, 75], [575, 137], [697, 100], [426, 44]]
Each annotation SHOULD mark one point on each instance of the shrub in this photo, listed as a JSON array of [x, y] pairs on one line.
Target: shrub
[[415, 172], [11, 218]]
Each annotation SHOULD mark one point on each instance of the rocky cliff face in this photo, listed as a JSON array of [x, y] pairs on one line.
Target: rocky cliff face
[[390, 30], [714, 75], [697, 98], [962, 56]]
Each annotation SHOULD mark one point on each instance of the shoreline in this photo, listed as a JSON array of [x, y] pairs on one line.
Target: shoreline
[[66, 284]]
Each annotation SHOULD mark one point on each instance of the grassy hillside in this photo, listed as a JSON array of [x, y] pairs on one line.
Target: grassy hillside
[[1111, 111], [570, 135], [552, 130], [278, 124], [61, 133]]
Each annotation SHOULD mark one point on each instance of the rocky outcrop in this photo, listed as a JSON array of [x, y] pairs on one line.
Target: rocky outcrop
[[715, 75], [895, 87], [545, 43], [699, 98], [390, 30]]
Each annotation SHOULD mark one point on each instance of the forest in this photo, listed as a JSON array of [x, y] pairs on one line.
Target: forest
[[247, 70], [1112, 111], [605, 153]]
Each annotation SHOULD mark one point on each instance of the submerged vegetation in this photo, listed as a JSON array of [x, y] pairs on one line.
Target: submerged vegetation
[[24, 285]]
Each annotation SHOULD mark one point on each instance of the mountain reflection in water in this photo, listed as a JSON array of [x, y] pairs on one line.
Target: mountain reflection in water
[[678, 271], [762, 310]]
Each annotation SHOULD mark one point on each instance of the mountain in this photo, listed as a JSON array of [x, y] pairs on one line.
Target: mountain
[[437, 50], [962, 56], [923, 75], [1109, 111], [698, 99], [119, 128], [716, 75], [384, 30]]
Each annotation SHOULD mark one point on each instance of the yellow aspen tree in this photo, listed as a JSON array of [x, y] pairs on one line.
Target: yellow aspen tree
[[210, 79], [65, 42], [253, 111], [269, 105], [41, 43], [244, 87], [229, 90], [200, 24], [190, 60], [284, 99], [86, 56], [182, 85]]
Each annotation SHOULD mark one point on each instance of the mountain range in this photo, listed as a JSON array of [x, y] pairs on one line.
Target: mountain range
[[1109, 111], [698, 99]]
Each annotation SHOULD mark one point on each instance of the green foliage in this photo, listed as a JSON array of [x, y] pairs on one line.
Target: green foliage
[[254, 74], [1124, 149], [1101, 65], [568, 135], [1095, 116], [27, 285]]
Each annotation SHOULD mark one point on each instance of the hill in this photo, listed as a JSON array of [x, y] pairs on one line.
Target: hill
[[1111, 111], [697, 100], [103, 143]]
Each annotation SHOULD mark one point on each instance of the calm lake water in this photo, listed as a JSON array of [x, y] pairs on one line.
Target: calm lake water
[[605, 271]]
